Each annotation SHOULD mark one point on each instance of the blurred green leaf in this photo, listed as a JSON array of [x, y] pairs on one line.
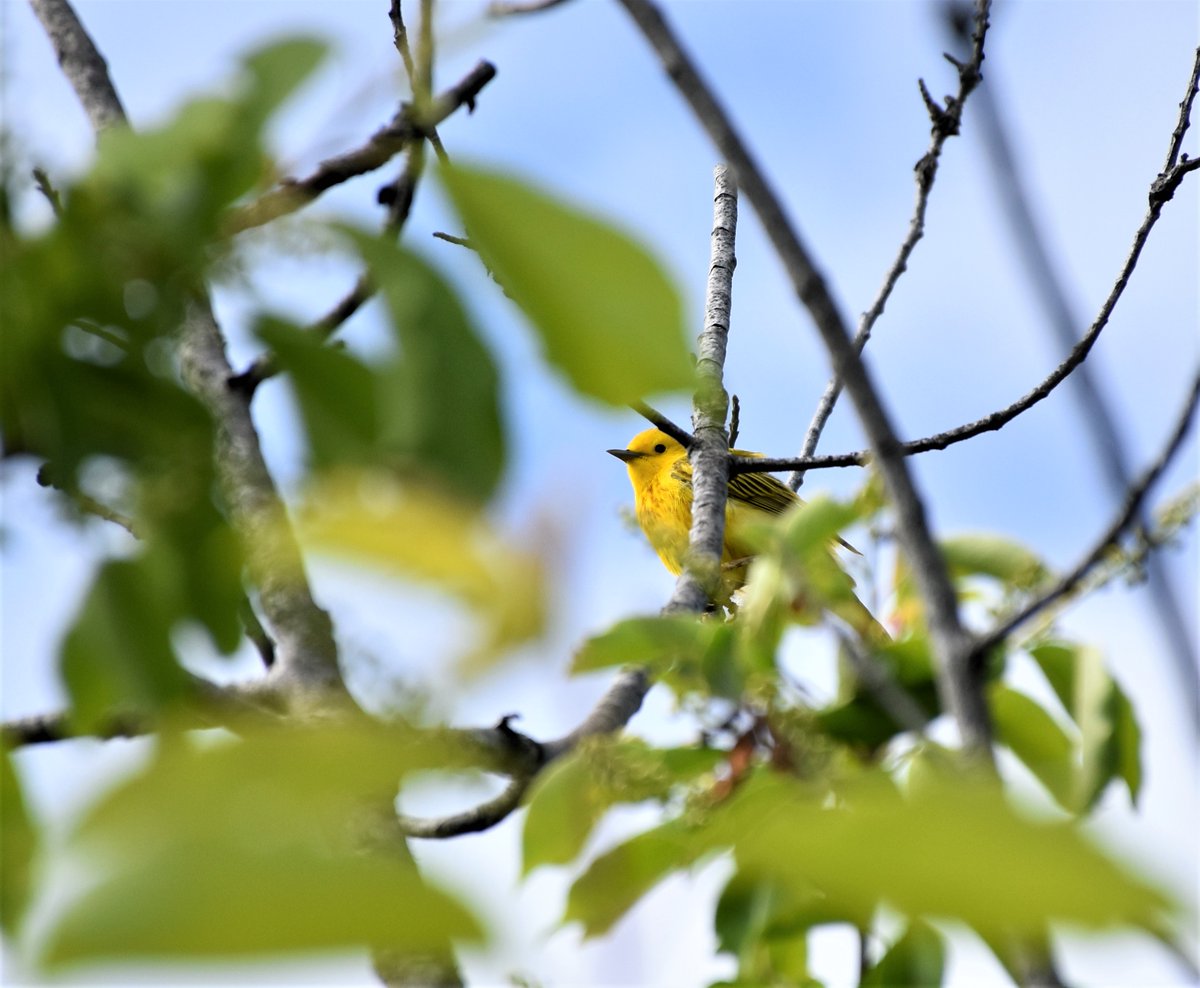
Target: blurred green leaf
[[564, 807], [255, 845], [118, 654], [428, 536], [994, 556], [616, 880], [91, 302], [930, 855], [605, 310], [569, 798], [17, 849], [1030, 733], [1110, 738], [764, 923], [918, 958], [687, 653], [338, 396], [278, 69], [439, 398]]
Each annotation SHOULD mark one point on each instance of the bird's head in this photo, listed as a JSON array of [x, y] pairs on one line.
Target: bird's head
[[649, 452]]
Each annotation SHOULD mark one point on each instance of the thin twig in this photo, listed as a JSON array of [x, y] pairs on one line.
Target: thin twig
[[51, 728], [961, 692], [1185, 116], [946, 122], [47, 189], [384, 144], [1096, 414], [1133, 501]]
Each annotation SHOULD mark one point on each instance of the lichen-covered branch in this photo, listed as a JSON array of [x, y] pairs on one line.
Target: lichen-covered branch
[[709, 451]]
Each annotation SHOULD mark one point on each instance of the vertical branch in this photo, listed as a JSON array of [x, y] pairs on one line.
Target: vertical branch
[[709, 452], [960, 690], [306, 653]]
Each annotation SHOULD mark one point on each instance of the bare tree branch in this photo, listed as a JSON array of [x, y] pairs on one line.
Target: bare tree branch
[[50, 728], [946, 122], [522, 758], [1096, 414], [82, 64], [961, 693], [384, 144], [1129, 511]]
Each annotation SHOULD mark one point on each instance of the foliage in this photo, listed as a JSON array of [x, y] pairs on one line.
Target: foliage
[[266, 838]]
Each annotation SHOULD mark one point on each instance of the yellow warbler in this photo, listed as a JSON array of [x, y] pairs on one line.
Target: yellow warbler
[[661, 476]]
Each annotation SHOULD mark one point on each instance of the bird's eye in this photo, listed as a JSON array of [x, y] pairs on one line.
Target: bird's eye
[[660, 448]]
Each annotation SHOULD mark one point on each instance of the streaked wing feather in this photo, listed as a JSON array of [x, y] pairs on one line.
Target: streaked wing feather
[[762, 491]]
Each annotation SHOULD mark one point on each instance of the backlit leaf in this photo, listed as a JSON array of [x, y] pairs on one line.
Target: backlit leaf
[[1031, 734], [917, 959], [255, 844], [616, 880], [606, 312], [428, 536], [439, 403], [16, 849], [954, 849]]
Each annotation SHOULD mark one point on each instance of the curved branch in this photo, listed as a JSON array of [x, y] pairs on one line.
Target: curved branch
[[1133, 502], [522, 758], [946, 122], [384, 144]]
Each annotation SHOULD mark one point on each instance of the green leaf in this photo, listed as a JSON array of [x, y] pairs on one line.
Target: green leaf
[[117, 654], [616, 880], [1030, 733], [605, 310], [1110, 739], [337, 395], [278, 69], [918, 958], [255, 845], [17, 849], [930, 855], [689, 654], [439, 399], [764, 923], [428, 536], [990, 555], [569, 798], [564, 807]]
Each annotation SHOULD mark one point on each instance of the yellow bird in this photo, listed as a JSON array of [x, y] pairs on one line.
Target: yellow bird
[[661, 476]]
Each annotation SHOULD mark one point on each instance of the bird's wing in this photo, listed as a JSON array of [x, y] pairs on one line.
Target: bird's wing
[[758, 490], [762, 491]]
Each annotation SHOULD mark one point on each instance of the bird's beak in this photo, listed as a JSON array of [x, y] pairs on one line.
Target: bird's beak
[[626, 454]]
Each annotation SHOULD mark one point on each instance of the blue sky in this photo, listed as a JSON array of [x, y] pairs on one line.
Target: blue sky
[[826, 95]]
